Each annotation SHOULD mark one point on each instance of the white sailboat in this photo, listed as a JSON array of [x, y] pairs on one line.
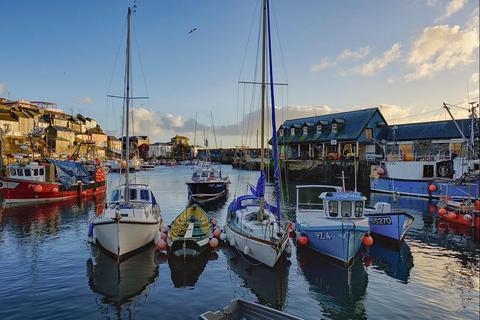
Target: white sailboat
[[132, 217], [253, 225]]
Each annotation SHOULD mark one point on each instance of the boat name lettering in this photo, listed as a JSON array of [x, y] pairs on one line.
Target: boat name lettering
[[381, 220], [323, 235]]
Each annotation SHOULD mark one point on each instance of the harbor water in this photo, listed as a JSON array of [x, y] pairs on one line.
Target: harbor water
[[50, 271]]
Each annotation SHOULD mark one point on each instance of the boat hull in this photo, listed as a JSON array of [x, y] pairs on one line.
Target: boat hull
[[206, 191], [188, 247], [120, 238], [14, 191], [335, 241], [393, 226], [419, 188], [264, 251]]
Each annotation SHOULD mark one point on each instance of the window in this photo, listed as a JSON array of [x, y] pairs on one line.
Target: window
[[358, 208], [333, 208], [35, 172], [334, 128], [28, 172], [144, 195], [281, 132], [319, 129], [13, 172], [428, 171], [292, 131], [133, 194], [42, 172], [369, 133], [305, 130], [20, 172], [346, 209], [115, 195]]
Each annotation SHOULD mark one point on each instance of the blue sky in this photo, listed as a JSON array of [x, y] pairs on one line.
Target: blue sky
[[408, 56]]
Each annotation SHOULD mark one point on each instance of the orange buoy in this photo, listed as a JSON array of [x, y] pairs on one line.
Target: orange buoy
[[442, 212], [302, 240], [217, 233], [213, 243], [451, 215], [38, 188], [161, 244], [367, 240], [432, 188]]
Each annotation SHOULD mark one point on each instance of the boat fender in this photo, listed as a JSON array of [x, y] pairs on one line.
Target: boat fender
[[367, 240], [217, 232], [223, 236], [214, 222], [213, 243], [432, 188], [161, 244], [90, 230], [302, 240], [232, 241], [164, 229], [38, 188], [246, 250], [55, 189], [163, 236], [288, 248], [442, 212]]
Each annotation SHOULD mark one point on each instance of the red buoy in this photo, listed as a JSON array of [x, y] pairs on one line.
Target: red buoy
[[217, 233], [302, 240], [432, 188], [38, 188], [442, 212], [367, 240], [451, 215]]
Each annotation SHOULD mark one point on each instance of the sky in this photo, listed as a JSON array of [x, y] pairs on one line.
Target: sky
[[406, 57]]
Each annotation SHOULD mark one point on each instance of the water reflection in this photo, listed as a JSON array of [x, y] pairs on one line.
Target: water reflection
[[338, 289], [119, 283], [395, 261], [186, 272], [269, 285]]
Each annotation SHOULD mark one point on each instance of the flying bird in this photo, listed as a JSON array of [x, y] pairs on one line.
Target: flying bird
[[193, 30]]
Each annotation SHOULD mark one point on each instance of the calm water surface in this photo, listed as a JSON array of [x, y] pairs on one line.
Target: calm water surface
[[49, 271]]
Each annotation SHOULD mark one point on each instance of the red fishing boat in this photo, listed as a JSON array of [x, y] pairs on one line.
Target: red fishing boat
[[54, 180], [465, 212]]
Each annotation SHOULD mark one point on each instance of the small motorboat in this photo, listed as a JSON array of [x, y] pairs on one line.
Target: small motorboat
[[466, 212], [387, 223], [190, 233], [242, 309], [332, 222], [207, 183], [147, 166]]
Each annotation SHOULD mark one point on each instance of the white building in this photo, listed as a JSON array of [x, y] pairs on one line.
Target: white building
[[160, 149]]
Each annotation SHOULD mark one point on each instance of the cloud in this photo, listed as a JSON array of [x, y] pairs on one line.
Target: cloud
[[453, 7], [396, 114], [379, 63], [3, 87], [432, 3], [474, 78], [443, 47], [86, 101], [346, 54]]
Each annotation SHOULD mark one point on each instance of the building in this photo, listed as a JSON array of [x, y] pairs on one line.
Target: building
[[332, 136], [9, 125], [26, 123], [59, 139], [160, 150], [427, 140], [179, 140]]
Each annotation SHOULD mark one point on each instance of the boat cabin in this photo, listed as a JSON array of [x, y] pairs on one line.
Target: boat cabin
[[30, 172], [139, 193], [343, 204], [206, 173]]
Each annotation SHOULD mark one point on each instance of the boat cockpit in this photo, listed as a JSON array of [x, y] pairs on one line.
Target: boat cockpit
[[340, 205], [139, 193]]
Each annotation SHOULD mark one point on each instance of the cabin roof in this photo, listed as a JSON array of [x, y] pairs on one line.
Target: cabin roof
[[343, 196]]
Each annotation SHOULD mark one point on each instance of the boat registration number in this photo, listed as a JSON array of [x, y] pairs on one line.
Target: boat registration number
[[323, 235], [381, 220]]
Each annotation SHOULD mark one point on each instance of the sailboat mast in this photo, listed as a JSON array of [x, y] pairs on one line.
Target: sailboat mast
[[262, 128], [127, 113]]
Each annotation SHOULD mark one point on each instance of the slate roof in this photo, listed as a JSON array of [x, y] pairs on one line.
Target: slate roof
[[435, 130], [352, 125]]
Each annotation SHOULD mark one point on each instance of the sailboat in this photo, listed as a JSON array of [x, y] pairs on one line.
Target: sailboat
[[253, 225], [132, 217]]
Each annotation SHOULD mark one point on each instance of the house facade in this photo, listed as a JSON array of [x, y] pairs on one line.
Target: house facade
[[160, 150]]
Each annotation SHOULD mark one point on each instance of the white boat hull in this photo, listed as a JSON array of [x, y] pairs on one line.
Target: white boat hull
[[121, 237], [262, 251]]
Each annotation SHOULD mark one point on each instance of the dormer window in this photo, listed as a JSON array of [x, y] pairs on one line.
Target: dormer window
[[319, 129], [305, 130], [292, 131], [334, 128], [280, 132]]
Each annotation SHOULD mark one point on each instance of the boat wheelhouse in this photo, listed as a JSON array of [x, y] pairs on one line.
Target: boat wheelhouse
[[207, 183]]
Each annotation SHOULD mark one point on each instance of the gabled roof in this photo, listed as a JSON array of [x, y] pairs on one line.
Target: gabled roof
[[113, 138], [354, 123], [5, 116], [434, 130]]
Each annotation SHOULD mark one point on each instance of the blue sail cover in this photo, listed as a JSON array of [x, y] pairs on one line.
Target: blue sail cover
[[237, 204], [259, 190], [69, 172]]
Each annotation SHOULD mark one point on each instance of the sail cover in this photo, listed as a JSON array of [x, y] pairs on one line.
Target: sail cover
[[69, 172], [259, 190]]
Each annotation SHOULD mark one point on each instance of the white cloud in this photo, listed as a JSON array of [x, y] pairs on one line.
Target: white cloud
[[379, 63], [3, 87], [432, 3], [442, 48], [396, 114], [453, 7], [326, 63], [85, 100]]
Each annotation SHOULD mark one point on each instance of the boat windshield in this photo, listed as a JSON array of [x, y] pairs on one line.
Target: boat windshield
[[333, 208], [346, 209], [358, 209]]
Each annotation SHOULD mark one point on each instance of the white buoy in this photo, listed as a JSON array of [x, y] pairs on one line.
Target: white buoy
[[246, 250], [232, 241], [223, 236]]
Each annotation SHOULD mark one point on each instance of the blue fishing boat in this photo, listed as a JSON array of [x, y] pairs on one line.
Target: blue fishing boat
[[388, 223], [331, 223]]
